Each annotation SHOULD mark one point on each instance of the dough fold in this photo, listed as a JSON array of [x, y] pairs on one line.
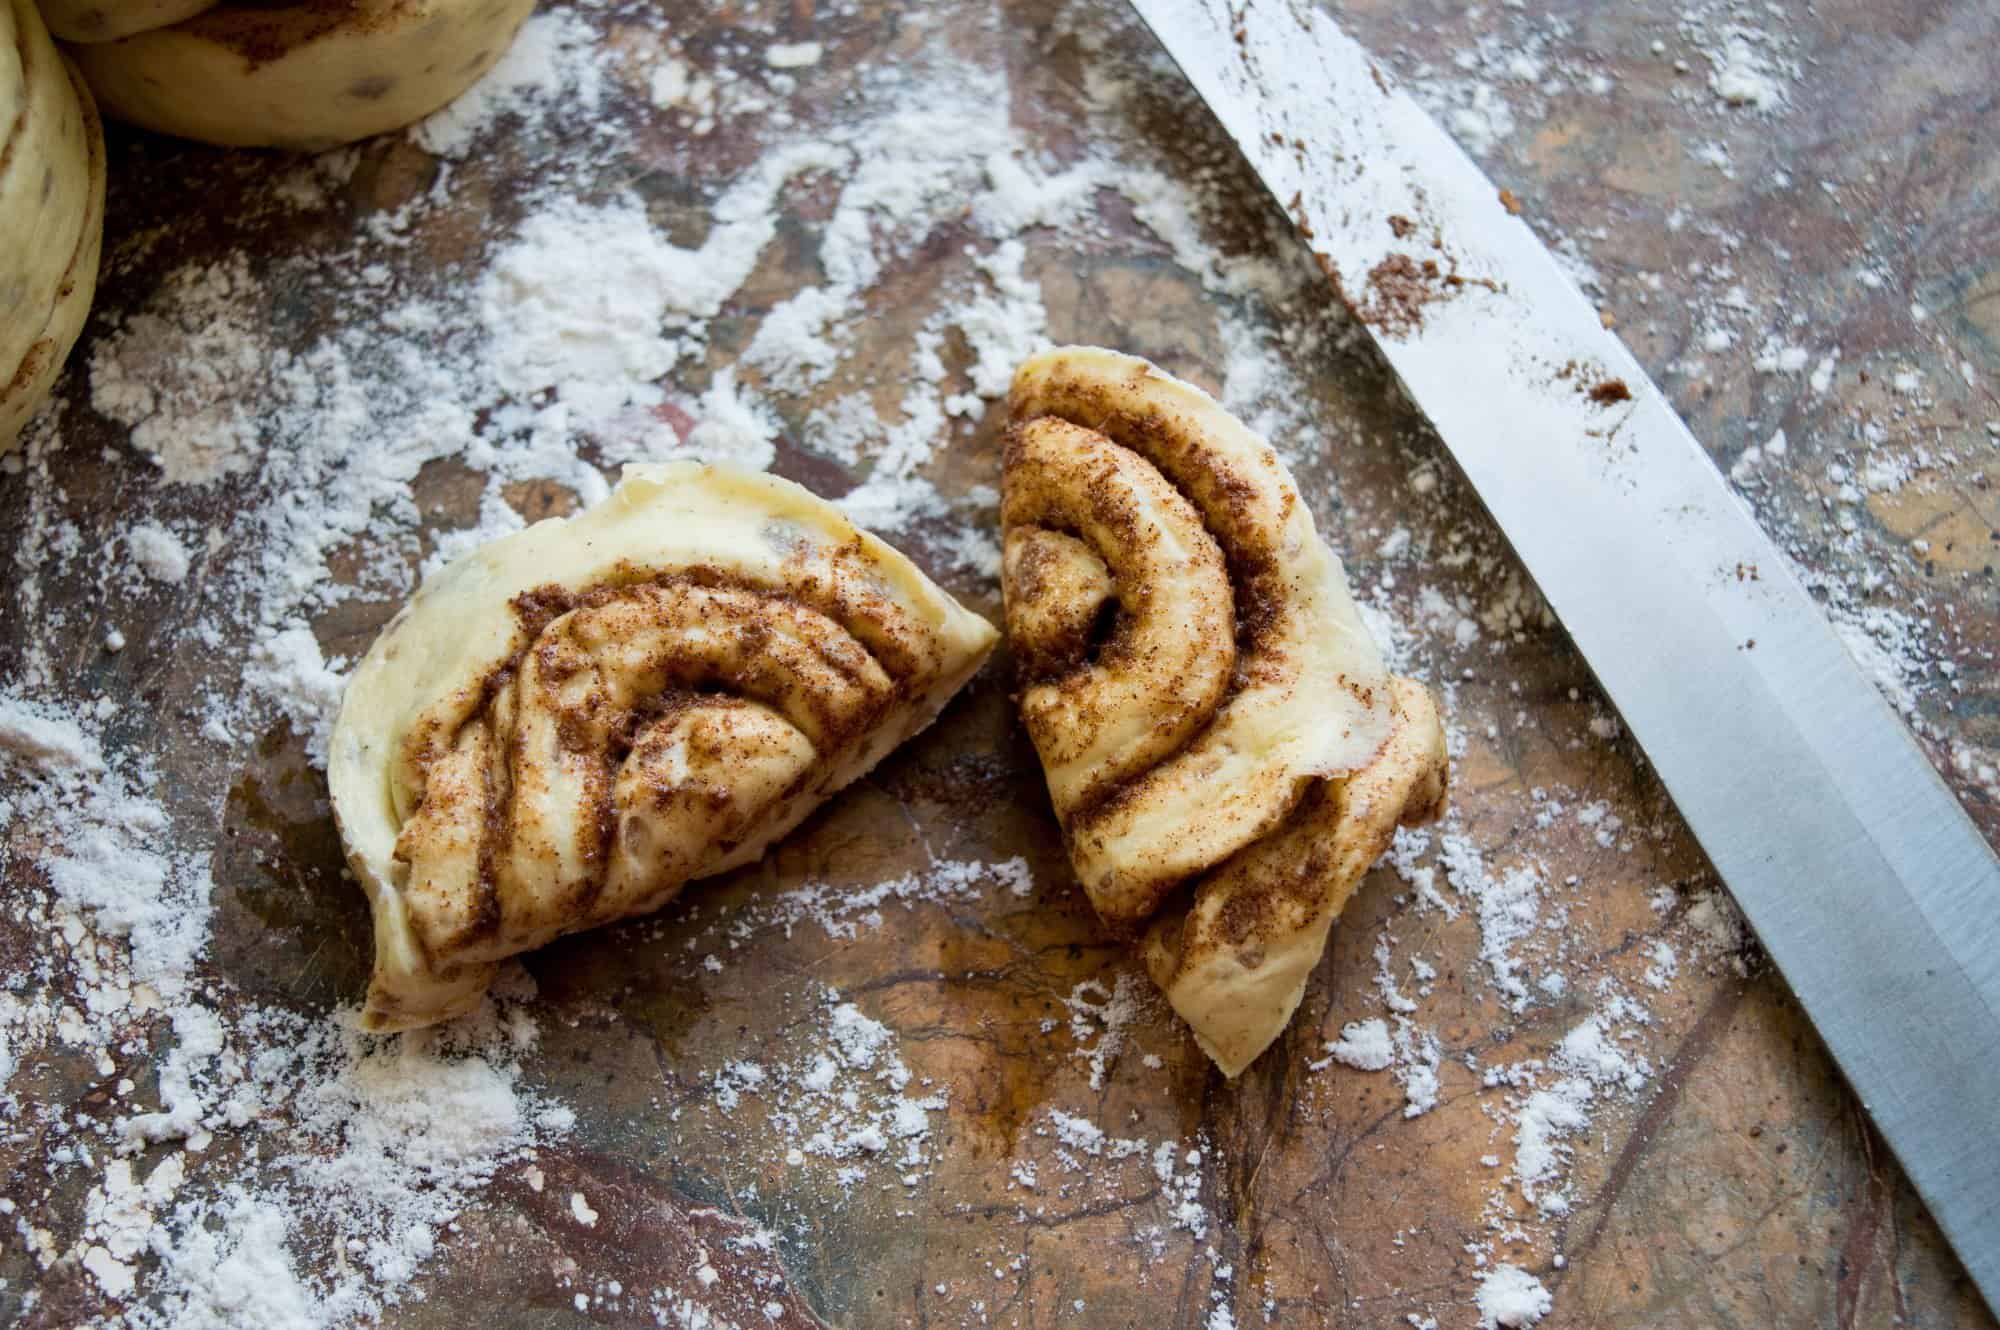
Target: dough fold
[[1233, 957], [1220, 737], [567, 725]]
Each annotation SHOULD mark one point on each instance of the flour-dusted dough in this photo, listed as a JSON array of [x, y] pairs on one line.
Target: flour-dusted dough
[[566, 725], [309, 76], [51, 212], [1221, 740], [108, 20]]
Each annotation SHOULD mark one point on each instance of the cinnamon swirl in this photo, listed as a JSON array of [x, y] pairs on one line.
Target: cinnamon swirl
[[1214, 722], [567, 725]]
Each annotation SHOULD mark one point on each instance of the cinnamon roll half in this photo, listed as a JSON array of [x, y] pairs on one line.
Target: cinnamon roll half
[[1216, 727], [565, 726]]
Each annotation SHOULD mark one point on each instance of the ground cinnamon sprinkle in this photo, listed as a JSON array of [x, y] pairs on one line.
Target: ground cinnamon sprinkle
[[262, 34], [1398, 290]]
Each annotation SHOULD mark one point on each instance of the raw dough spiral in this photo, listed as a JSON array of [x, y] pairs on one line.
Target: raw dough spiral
[[1197, 682], [567, 725], [51, 212]]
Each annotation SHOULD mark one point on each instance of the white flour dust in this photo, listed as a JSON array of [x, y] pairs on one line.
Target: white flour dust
[[1510, 1296], [178, 373], [583, 322], [369, 1144]]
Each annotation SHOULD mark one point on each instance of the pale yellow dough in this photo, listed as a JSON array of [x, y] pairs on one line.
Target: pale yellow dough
[[564, 726], [306, 76], [108, 20], [51, 212], [1234, 958], [1224, 748]]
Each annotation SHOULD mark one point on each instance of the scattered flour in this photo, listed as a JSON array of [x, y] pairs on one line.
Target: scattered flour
[[287, 668], [1592, 1064], [1364, 1045], [556, 55], [1101, 1016], [157, 551], [844, 1100], [1743, 73], [1508, 906], [181, 372], [1509, 1296], [584, 300], [730, 426], [792, 55], [1417, 1059], [377, 1141], [584, 323]]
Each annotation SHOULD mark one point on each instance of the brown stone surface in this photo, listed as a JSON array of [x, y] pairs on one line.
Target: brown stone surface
[[1741, 1186]]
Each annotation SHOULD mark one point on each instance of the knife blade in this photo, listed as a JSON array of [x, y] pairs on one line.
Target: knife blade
[[1863, 878]]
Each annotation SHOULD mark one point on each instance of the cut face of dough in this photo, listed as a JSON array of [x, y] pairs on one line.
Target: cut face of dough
[[1213, 720], [51, 212], [302, 76], [565, 726]]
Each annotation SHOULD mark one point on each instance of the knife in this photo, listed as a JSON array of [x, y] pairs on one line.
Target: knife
[[1862, 876]]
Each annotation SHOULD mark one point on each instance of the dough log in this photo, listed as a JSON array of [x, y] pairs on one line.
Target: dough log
[[51, 212], [307, 76]]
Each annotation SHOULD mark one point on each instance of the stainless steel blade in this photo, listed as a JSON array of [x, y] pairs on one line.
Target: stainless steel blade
[[1864, 879]]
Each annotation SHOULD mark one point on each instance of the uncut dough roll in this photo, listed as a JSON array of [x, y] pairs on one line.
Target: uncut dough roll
[[1224, 748], [565, 726], [51, 212], [305, 76], [108, 20]]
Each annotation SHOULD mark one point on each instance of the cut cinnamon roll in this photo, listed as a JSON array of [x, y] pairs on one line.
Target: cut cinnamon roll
[[567, 725], [1216, 726]]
